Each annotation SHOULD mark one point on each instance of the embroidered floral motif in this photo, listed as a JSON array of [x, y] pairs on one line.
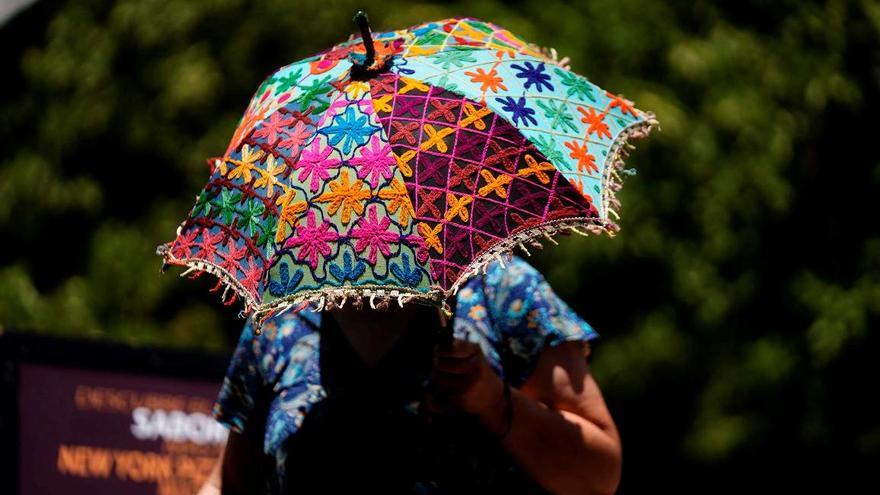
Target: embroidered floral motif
[[315, 163], [349, 130], [534, 75], [374, 162], [345, 195], [312, 240], [595, 121], [273, 128], [518, 110], [285, 284], [489, 81], [349, 269], [398, 201], [373, 235]]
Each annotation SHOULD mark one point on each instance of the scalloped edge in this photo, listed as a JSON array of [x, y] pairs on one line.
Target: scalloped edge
[[614, 163], [200, 266]]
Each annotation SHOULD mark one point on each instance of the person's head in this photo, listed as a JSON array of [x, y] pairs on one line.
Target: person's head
[[385, 318]]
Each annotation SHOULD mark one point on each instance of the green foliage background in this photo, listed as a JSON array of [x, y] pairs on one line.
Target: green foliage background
[[737, 306]]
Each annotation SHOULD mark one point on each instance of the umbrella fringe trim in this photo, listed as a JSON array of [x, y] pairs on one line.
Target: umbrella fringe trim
[[532, 237], [196, 267], [612, 181], [376, 296]]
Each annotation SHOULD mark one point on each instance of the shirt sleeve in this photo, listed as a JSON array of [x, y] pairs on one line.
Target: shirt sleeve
[[244, 383], [530, 316]]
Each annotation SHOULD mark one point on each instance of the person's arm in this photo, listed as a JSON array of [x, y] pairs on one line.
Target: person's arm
[[242, 471], [212, 483], [561, 432]]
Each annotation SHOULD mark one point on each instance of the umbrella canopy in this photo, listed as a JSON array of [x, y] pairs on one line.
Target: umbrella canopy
[[392, 169]]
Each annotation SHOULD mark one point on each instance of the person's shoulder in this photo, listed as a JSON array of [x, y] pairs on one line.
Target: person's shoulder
[[512, 273], [282, 330]]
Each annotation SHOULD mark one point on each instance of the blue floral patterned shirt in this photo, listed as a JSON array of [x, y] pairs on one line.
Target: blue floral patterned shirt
[[511, 312]]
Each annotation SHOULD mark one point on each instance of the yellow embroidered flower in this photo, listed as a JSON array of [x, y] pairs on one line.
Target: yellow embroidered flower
[[539, 170], [356, 89], [494, 184], [268, 176], [474, 116], [458, 207], [403, 162], [245, 165], [410, 84], [435, 138], [382, 104], [416, 50]]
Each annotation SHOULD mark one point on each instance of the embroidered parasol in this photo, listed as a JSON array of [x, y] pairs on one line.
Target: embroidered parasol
[[395, 165]]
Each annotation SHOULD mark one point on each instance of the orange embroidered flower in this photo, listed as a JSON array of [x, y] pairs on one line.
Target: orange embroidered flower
[[490, 81], [398, 200], [626, 106], [586, 161], [245, 165], [596, 122], [347, 196], [579, 185], [289, 218], [431, 236]]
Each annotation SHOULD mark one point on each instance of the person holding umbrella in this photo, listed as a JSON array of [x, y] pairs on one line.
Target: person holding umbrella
[[363, 213]]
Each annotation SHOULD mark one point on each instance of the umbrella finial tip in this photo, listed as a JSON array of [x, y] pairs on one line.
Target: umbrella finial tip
[[360, 18]]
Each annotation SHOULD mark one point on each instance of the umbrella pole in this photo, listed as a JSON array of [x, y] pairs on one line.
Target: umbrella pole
[[364, 25]]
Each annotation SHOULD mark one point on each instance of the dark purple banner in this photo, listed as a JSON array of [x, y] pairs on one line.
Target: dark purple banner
[[91, 432]]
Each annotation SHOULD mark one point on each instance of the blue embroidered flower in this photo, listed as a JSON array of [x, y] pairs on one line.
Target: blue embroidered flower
[[285, 283], [534, 76], [347, 271], [349, 130], [518, 109], [403, 272]]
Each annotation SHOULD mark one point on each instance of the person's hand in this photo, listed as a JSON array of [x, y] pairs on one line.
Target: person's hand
[[463, 379]]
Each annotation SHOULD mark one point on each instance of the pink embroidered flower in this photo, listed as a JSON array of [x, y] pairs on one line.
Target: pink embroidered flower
[[418, 243], [374, 162], [252, 276], [272, 128], [185, 243], [315, 162], [312, 240], [295, 138], [373, 234], [232, 257], [208, 245]]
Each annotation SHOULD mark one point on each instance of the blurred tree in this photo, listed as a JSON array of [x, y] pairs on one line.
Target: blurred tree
[[736, 306]]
